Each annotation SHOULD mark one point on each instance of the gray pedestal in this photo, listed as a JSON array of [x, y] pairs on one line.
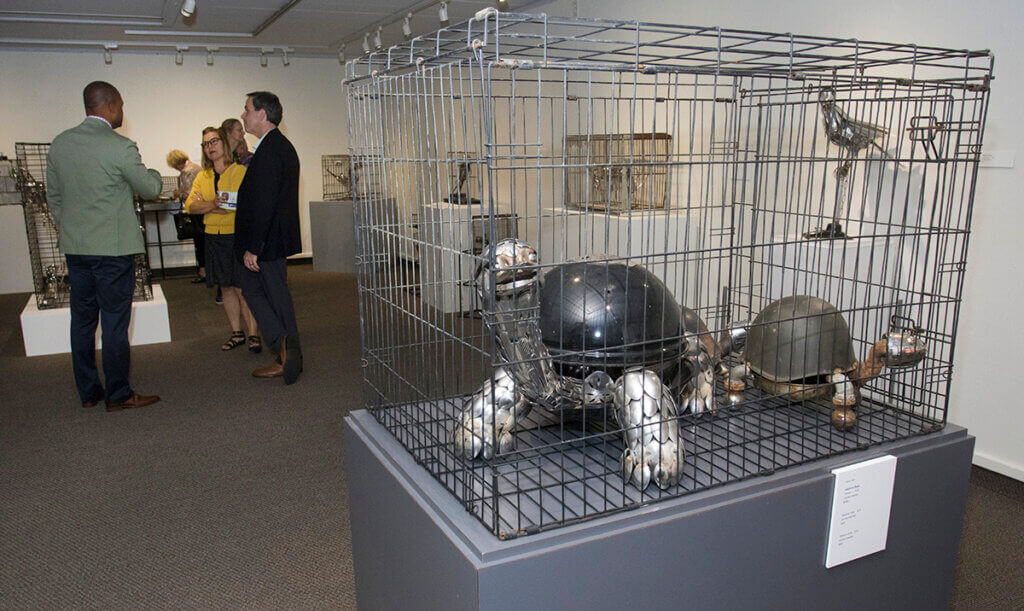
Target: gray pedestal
[[333, 236], [758, 543]]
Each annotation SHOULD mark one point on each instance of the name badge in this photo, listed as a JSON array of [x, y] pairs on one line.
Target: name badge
[[228, 199]]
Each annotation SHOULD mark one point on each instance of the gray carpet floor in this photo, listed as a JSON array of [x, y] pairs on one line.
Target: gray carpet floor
[[230, 493]]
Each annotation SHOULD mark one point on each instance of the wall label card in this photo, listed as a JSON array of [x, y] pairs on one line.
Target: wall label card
[[861, 500]]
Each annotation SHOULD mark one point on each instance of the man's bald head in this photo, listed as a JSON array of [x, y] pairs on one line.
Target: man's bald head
[[98, 94], [103, 100]]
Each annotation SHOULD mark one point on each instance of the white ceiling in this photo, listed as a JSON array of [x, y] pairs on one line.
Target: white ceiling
[[305, 27]]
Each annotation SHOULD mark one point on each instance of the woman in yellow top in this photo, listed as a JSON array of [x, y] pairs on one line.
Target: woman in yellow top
[[214, 195]]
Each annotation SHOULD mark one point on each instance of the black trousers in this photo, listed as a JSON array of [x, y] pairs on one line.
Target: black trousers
[[101, 285], [270, 301], [199, 241]]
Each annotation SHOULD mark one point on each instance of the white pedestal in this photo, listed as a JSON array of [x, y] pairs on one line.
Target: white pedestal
[[658, 240], [856, 276], [449, 254], [48, 331]]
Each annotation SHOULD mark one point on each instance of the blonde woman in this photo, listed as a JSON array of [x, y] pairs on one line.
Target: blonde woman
[[187, 172], [237, 145], [214, 194]]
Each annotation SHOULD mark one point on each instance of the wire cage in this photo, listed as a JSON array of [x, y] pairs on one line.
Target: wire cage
[[170, 183], [777, 278], [49, 268], [345, 179], [617, 172], [337, 171]]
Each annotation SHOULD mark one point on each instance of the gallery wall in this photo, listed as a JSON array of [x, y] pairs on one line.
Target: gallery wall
[[167, 106]]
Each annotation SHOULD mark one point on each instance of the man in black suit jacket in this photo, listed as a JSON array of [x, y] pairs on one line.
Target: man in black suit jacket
[[267, 231]]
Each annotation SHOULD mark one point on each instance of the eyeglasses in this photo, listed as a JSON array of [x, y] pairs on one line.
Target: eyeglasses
[[211, 141]]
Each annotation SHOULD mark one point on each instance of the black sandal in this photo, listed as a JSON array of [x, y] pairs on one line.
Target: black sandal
[[237, 339], [255, 344]]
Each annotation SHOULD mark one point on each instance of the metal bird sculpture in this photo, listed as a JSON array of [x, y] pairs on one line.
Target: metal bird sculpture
[[850, 134], [853, 136]]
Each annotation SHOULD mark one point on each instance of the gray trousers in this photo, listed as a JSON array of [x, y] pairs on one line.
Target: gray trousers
[[270, 301]]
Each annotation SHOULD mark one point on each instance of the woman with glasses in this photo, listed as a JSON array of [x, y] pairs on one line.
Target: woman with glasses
[[214, 195]]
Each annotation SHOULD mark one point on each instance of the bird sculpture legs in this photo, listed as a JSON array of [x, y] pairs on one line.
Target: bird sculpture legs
[[852, 136], [834, 230]]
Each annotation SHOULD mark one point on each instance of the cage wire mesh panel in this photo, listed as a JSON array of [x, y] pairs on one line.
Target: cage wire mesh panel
[[49, 268], [337, 173], [170, 184], [613, 262]]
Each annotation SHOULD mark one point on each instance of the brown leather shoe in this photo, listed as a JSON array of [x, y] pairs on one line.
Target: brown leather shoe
[[90, 404], [272, 370], [132, 402]]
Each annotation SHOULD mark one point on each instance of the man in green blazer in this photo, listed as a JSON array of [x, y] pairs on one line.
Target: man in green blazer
[[91, 173]]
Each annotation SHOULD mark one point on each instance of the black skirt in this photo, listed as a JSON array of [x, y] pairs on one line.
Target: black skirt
[[220, 259]]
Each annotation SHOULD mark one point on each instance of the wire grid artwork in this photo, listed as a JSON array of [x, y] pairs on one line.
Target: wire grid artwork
[[337, 173], [49, 268], [779, 282], [617, 172], [170, 184]]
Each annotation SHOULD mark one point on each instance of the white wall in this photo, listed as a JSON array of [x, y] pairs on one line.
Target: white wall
[[167, 106], [983, 396]]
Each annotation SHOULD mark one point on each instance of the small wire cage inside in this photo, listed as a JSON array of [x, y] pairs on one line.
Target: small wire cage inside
[[170, 184], [337, 171], [707, 254], [464, 174], [617, 172], [143, 279], [49, 268]]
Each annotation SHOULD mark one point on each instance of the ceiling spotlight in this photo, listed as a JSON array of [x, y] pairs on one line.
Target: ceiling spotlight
[[209, 55], [377, 44], [108, 53], [284, 56], [179, 54], [442, 14], [188, 7], [341, 55], [263, 59], [502, 5], [406, 27], [366, 42]]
